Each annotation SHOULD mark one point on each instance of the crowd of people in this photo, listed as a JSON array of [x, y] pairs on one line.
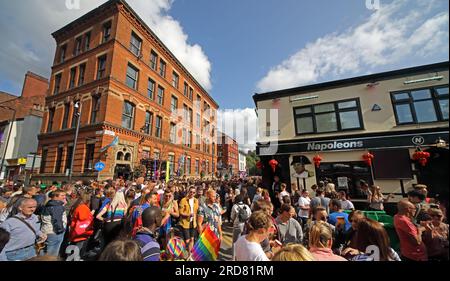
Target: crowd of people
[[153, 220]]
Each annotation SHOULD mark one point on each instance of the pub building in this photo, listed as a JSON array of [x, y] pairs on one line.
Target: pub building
[[388, 129]]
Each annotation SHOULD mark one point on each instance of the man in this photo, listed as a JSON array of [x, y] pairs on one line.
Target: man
[[320, 201], [28, 192], [146, 236], [412, 247], [283, 193], [151, 199], [304, 205], [24, 229], [417, 198], [188, 208], [274, 191], [54, 221], [210, 214], [200, 195], [346, 204], [337, 216], [289, 229]]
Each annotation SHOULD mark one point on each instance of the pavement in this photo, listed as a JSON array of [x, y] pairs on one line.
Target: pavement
[[226, 252]]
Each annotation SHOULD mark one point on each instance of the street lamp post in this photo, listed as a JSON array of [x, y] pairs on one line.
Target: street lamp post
[[9, 134], [77, 107]]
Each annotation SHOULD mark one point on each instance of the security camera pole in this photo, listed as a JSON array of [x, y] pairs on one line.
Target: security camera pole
[[77, 107]]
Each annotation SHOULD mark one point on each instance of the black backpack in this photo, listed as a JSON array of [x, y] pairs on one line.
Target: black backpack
[[242, 213]]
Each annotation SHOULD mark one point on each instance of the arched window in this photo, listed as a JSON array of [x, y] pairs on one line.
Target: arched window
[[128, 157], [120, 156]]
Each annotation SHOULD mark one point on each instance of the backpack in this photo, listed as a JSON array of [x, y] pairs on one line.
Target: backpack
[[138, 221], [242, 213]]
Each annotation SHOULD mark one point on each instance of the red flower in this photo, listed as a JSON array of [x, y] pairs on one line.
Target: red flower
[[317, 159]]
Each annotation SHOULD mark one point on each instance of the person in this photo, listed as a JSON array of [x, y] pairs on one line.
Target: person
[[293, 252], [200, 194], [349, 236], [417, 198], [412, 247], [320, 200], [304, 205], [435, 236], [267, 244], [54, 221], [81, 224], [320, 215], [290, 230], [3, 209], [239, 215], [266, 196], [283, 193], [274, 191], [377, 199], [248, 247], [169, 208], [121, 250], [146, 236], [336, 213], [372, 243], [345, 203], [330, 190], [422, 188], [4, 239], [24, 230], [210, 214], [28, 192], [321, 243], [115, 212], [189, 206], [258, 195], [229, 199]]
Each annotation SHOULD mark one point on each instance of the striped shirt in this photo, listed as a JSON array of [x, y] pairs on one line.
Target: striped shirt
[[150, 249]]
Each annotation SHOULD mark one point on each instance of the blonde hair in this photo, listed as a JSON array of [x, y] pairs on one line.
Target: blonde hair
[[293, 252], [435, 211], [320, 235], [119, 199]]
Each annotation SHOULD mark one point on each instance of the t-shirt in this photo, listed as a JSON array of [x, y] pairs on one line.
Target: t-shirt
[[245, 250], [191, 205], [282, 194], [290, 231], [407, 232], [347, 205], [332, 219], [303, 202]]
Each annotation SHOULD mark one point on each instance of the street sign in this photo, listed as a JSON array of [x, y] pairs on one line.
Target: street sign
[[99, 166]]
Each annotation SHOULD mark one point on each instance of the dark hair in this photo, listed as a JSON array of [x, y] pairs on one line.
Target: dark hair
[[239, 198], [336, 203], [417, 194], [259, 220], [4, 238], [371, 232], [149, 195], [122, 250], [285, 208], [286, 199], [319, 191], [55, 193]]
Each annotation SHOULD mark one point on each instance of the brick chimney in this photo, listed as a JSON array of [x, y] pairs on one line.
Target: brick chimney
[[34, 85]]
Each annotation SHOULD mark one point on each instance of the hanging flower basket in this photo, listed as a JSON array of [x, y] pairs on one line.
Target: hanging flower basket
[[368, 158], [317, 159], [273, 163], [421, 157]]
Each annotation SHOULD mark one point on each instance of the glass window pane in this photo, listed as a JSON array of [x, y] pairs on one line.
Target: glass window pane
[[326, 122], [131, 72], [324, 108], [442, 91], [304, 110], [305, 125], [347, 104], [425, 111], [349, 120], [402, 96], [421, 94], [404, 113], [444, 108]]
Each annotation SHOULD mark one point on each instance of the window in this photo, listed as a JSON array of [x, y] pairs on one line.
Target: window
[[188, 166], [87, 41], [43, 160], [132, 76], [150, 89], [148, 123], [160, 98], [198, 120], [156, 155], [173, 133], [197, 167], [77, 47], [191, 93], [101, 67], [89, 158], [95, 109], [135, 44], [57, 86], [171, 159], [51, 116], [184, 137], [328, 117], [128, 115], [190, 116], [197, 142], [73, 73], [213, 148], [189, 140], [162, 68], [158, 127], [59, 153], [421, 105], [199, 100], [69, 156], [74, 117], [153, 60], [106, 32], [173, 104], [185, 113], [66, 115], [186, 89], [62, 53], [81, 73], [175, 80]]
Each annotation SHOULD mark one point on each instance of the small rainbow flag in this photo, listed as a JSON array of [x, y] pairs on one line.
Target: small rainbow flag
[[207, 247]]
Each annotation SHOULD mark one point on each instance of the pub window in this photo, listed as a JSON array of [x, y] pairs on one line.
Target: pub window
[[59, 154], [95, 109], [127, 157], [89, 160], [153, 60], [101, 67], [132, 76], [66, 115], [135, 44], [158, 127], [57, 86], [51, 116], [160, 98], [421, 105], [128, 115], [119, 156], [72, 80], [151, 89], [106, 32], [148, 122], [81, 73], [328, 117]]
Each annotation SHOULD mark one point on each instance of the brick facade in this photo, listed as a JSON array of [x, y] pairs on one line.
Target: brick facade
[[228, 153]]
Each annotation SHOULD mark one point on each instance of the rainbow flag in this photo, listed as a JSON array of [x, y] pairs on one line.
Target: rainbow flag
[[207, 246]]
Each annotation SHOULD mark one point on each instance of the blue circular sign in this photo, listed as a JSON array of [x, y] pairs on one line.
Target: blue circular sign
[[99, 166]]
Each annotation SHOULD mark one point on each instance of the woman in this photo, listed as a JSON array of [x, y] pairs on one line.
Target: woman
[[115, 212], [229, 199], [169, 210], [122, 250], [293, 252], [435, 236], [266, 195], [248, 247], [82, 223], [321, 242], [372, 243], [376, 198], [131, 196]]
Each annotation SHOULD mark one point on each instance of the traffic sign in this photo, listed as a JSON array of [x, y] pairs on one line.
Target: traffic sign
[[99, 166]]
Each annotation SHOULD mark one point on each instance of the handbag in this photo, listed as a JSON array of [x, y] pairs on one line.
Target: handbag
[[81, 227], [39, 244]]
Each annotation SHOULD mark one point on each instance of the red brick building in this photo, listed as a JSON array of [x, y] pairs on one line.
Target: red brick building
[[130, 86], [227, 154]]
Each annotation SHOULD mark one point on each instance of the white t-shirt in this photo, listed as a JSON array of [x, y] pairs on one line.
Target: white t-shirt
[[282, 194], [303, 202], [245, 250], [347, 205], [191, 204]]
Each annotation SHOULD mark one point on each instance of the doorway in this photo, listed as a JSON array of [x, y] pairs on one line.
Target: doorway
[[122, 170]]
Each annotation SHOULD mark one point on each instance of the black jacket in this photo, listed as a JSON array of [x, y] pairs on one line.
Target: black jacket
[[55, 209]]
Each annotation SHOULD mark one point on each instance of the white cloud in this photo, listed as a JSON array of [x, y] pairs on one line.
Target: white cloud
[[241, 125], [28, 26], [389, 35]]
